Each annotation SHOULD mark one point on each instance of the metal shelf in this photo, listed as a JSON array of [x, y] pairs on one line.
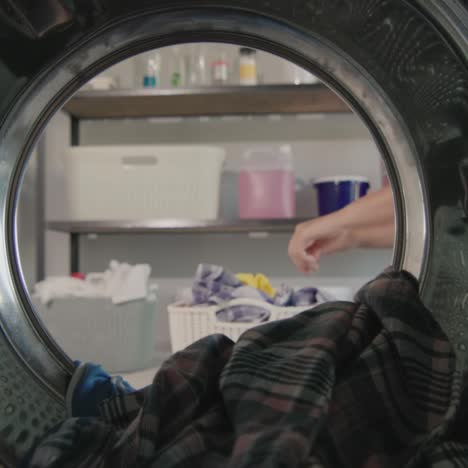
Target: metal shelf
[[237, 100], [172, 226]]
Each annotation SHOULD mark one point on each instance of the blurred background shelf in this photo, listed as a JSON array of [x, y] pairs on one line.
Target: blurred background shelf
[[172, 226], [163, 226], [209, 101]]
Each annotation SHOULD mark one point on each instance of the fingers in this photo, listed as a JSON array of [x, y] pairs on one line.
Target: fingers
[[314, 238], [305, 263], [302, 251]]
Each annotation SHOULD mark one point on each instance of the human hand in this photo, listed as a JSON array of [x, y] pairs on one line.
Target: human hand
[[324, 235], [367, 222]]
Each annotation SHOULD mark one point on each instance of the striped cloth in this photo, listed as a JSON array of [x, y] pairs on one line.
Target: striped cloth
[[373, 384]]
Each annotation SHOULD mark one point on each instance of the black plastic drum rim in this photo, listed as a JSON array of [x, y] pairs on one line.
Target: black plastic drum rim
[[48, 92]]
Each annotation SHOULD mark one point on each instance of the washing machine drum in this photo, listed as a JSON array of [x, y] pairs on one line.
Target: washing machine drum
[[400, 64]]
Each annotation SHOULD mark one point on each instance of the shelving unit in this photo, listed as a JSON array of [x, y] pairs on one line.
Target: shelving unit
[[220, 101], [174, 226], [238, 100], [164, 226]]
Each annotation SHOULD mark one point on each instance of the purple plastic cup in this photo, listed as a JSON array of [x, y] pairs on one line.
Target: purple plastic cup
[[334, 193]]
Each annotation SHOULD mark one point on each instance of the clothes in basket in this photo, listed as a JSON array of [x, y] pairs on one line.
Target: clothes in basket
[[121, 283], [214, 284], [219, 302], [243, 313]]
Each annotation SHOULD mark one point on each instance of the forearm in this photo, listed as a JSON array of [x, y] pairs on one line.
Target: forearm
[[382, 236], [375, 209], [368, 222]]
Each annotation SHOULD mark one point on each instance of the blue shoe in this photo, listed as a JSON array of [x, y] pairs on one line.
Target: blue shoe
[[89, 386]]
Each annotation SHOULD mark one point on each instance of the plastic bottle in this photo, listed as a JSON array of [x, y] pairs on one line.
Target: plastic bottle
[[267, 184], [248, 67], [197, 69], [152, 71], [220, 70], [178, 72]]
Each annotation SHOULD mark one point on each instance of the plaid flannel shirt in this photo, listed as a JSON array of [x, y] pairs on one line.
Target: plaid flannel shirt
[[371, 384]]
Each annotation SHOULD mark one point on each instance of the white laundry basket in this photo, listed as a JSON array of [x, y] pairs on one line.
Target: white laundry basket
[[126, 183], [119, 337], [189, 324]]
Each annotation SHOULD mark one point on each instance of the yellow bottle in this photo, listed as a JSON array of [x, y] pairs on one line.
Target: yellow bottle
[[247, 67]]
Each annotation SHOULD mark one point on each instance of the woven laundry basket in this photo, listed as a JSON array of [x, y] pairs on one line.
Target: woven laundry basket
[[119, 337], [189, 324]]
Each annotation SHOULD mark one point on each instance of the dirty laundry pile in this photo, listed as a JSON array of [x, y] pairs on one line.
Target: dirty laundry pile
[[214, 284], [373, 383]]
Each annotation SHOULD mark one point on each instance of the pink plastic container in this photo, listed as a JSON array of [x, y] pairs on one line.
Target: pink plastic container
[[267, 185]]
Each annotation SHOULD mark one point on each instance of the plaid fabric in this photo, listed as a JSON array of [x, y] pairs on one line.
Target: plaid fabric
[[373, 384]]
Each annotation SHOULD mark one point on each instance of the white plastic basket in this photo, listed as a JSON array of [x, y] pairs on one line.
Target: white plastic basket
[[189, 324], [115, 183]]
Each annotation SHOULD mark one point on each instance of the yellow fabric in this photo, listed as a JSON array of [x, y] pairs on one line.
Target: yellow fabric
[[258, 281]]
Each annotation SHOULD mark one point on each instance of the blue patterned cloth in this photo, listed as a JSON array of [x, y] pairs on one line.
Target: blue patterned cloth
[[89, 387], [243, 314], [215, 285]]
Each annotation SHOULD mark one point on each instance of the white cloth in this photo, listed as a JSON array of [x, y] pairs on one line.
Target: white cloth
[[121, 283]]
